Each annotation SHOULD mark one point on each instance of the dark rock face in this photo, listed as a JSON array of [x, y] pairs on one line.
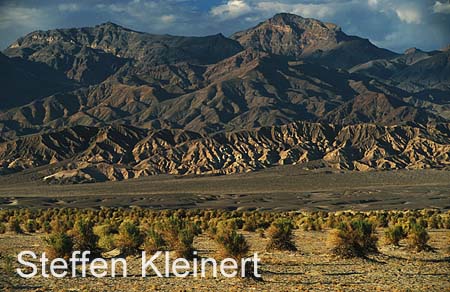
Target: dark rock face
[[22, 82], [106, 102]]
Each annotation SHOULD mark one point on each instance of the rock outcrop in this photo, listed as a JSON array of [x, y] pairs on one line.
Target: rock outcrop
[[86, 154]]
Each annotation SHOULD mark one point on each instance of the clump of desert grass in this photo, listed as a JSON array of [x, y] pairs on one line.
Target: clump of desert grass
[[250, 224], [84, 237], [2, 228], [311, 224], [355, 238], [394, 234], [418, 238], [105, 233], [232, 244], [179, 236], [58, 245], [14, 225], [154, 241], [280, 234], [129, 238]]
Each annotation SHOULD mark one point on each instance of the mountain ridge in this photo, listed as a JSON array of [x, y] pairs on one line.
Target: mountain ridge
[[88, 154], [117, 103]]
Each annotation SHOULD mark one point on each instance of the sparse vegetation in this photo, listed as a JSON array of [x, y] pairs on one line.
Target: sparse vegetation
[[154, 241], [59, 245], [14, 225], [83, 236], [394, 234], [232, 243], [135, 229], [355, 238], [129, 238], [105, 234], [418, 237], [280, 235]]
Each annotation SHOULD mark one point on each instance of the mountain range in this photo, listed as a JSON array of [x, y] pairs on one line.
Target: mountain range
[[109, 103]]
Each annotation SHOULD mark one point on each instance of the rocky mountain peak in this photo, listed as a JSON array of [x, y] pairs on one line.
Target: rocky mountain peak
[[288, 34], [113, 27], [299, 21], [109, 24], [302, 38], [413, 51]]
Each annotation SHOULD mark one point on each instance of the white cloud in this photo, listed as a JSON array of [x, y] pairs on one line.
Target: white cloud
[[68, 7], [168, 18], [257, 9], [12, 16], [306, 10], [440, 7], [409, 15], [372, 3], [233, 9]]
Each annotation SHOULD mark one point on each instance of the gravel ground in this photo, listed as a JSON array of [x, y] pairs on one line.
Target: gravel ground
[[311, 268]]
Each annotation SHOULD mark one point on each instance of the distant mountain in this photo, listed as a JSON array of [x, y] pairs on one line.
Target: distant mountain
[[106, 103], [432, 72], [91, 54], [87, 154], [292, 35], [250, 89], [414, 70]]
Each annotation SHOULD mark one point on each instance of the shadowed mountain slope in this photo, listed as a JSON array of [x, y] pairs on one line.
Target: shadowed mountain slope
[[250, 89]]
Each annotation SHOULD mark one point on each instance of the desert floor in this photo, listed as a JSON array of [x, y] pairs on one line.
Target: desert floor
[[311, 268], [279, 188]]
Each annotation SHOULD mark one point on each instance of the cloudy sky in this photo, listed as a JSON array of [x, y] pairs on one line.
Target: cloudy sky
[[394, 24]]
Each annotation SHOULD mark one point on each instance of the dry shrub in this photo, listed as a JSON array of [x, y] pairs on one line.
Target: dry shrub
[[179, 236], [30, 226], [311, 224], [250, 224], [14, 226], [280, 235], [354, 239], [154, 241], [129, 238], [233, 244], [2, 228], [46, 227], [105, 234], [394, 234], [59, 245], [84, 238], [183, 247], [418, 238]]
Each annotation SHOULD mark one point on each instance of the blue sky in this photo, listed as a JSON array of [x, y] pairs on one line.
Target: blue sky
[[394, 24]]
